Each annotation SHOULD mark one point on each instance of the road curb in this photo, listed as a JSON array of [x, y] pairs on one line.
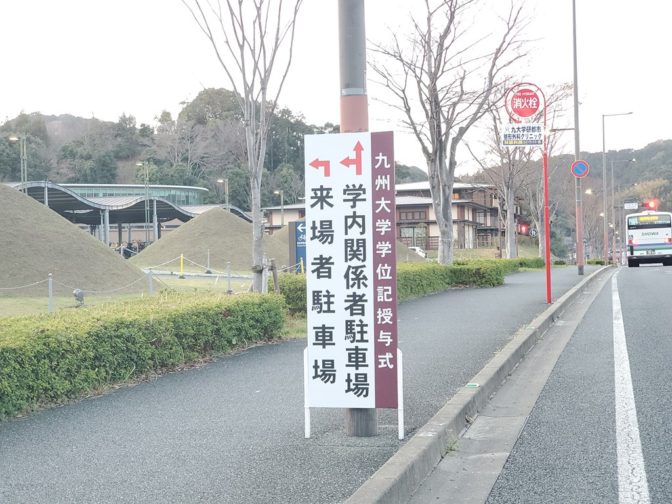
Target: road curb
[[399, 477]]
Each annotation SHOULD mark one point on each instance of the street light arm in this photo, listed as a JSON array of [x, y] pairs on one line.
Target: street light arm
[[604, 182]]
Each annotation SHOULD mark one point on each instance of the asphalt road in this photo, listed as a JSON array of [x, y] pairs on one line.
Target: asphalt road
[[575, 446], [232, 431]]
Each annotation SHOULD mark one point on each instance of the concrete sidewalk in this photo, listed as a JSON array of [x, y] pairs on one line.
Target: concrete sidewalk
[[404, 472]]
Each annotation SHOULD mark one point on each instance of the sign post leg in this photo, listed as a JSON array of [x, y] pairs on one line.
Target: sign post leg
[[306, 408], [400, 394]]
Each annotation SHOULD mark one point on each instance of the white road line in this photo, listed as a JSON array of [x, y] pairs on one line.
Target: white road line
[[632, 483]]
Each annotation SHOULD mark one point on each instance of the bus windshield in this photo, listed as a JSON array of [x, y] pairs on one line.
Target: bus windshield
[[651, 221]]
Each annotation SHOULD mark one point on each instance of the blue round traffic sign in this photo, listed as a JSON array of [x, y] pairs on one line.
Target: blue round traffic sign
[[580, 168]]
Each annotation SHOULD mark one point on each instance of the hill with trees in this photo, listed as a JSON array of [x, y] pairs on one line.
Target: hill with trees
[[639, 175], [203, 145]]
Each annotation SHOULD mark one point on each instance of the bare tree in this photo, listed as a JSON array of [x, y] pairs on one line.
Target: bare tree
[[253, 41], [507, 175], [443, 82]]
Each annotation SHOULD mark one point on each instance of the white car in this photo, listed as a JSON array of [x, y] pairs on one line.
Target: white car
[[418, 251]]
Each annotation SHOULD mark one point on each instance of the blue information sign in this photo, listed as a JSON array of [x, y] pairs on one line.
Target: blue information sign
[[300, 240]]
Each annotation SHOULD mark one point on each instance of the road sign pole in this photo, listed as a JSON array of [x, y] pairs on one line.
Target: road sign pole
[[522, 102], [547, 222], [547, 211], [359, 422]]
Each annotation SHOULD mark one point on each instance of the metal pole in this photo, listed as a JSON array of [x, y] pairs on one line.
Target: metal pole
[[146, 203], [106, 227], [51, 293], [547, 211], [577, 155], [359, 422], [605, 229], [605, 253], [24, 162], [226, 194], [150, 281], [547, 226], [613, 217], [155, 222]]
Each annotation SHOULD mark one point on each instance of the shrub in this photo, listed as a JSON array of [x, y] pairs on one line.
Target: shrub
[[50, 358], [293, 289]]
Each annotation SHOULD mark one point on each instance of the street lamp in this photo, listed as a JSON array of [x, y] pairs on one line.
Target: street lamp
[[145, 164], [577, 152], [282, 206], [613, 210], [225, 181], [24, 159], [604, 184]]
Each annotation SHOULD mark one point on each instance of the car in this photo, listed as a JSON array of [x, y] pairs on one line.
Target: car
[[418, 251]]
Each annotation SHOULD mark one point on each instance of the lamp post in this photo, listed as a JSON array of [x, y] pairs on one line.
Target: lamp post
[[613, 212], [225, 181], [146, 167], [605, 245], [282, 206], [23, 154], [577, 154]]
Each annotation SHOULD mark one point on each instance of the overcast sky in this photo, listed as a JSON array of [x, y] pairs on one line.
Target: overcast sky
[[103, 58]]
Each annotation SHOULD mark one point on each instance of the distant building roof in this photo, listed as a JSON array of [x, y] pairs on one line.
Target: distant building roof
[[121, 209], [137, 186], [413, 200], [424, 186]]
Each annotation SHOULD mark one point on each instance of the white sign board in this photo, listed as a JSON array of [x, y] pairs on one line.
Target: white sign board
[[522, 134], [351, 271], [631, 206]]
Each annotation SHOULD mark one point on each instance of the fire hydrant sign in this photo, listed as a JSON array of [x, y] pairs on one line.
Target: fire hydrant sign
[[351, 271]]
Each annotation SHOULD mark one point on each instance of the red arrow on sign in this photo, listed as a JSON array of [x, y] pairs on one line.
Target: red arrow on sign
[[357, 160], [319, 163]]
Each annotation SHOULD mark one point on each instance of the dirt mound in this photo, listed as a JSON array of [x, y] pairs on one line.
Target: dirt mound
[[216, 233], [36, 241]]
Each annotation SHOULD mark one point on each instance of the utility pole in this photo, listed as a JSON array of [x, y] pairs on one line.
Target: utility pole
[[359, 422], [577, 156]]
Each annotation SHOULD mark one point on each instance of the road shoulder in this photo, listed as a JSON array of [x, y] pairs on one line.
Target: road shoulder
[[403, 474]]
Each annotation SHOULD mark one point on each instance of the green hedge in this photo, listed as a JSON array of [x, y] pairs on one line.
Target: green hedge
[[598, 262], [421, 279], [50, 358]]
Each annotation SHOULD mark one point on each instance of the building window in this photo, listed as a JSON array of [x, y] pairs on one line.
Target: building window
[[414, 236], [412, 215]]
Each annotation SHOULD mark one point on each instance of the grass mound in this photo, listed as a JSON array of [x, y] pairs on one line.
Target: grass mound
[[37, 241], [223, 235]]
